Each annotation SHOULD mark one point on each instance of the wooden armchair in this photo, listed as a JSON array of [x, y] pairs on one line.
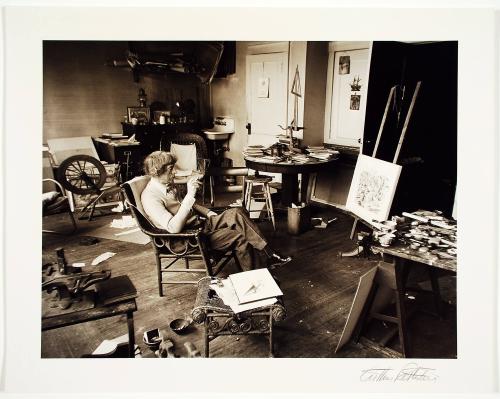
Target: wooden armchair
[[57, 203], [187, 245]]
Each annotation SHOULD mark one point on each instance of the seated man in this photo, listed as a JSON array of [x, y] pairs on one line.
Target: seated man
[[232, 229]]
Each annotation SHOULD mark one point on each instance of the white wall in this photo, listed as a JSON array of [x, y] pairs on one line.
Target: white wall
[[228, 98]]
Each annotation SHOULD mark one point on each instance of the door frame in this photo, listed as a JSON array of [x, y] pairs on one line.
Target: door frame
[[334, 47]]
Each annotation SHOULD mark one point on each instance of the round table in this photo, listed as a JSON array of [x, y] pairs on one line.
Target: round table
[[290, 172]]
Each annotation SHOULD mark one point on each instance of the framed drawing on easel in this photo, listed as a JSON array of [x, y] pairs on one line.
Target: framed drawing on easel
[[372, 189]]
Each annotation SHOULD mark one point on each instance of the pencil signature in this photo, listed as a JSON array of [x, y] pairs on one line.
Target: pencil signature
[[410, 372]]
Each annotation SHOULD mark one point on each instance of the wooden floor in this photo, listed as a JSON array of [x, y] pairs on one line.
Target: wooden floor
[[318, 288]]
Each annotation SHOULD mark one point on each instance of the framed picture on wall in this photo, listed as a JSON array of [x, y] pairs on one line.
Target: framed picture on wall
[[142, 114], [355, 101]]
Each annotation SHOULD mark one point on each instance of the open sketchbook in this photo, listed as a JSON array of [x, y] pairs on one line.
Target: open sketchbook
[[254, 285], [248, 290]]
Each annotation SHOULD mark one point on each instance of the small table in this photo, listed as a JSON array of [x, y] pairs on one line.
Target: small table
[[400, 254], [98, 312], [290, 172], [128, 154]]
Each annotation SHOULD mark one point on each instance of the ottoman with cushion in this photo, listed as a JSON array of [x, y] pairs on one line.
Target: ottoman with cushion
[[220, 320]]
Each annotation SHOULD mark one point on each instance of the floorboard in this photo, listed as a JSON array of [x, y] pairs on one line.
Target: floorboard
[[318, 287]]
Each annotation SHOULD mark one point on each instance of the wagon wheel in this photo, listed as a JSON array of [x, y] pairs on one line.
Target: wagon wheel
[[82, 174]]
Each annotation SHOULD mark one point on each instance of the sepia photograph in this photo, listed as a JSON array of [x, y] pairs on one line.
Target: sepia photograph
[[176, 242], [355, 102], [283, 200]]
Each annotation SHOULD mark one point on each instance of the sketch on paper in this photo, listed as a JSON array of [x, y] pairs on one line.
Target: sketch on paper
[[371, 191], [344, 65], [263, 88], [372, 188]]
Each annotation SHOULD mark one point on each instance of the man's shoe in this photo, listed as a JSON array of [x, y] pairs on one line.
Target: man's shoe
[[276, 261]]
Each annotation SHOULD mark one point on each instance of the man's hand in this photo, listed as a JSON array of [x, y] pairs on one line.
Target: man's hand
[[192, 185], [211, 213]]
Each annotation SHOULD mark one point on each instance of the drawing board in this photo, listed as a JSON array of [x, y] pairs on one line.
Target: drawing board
[[372, 188], [364, 286]]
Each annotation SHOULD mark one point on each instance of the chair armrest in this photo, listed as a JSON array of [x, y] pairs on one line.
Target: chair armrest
[[151, 230], [63, 192], [164, 234], [178, 244]]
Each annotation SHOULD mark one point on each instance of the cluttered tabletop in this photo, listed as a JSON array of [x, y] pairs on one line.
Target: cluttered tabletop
[[422, 236], [278, 154]]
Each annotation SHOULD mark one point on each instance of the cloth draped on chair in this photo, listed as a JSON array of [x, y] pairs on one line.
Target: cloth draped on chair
[[186, 158]]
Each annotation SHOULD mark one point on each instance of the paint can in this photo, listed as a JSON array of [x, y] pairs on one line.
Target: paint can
[[299, 219]]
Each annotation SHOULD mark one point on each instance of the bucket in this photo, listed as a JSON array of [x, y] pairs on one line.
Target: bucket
[[299, 219]]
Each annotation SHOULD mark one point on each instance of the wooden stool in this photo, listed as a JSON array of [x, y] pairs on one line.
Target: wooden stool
[[219, 319], [248, 194]]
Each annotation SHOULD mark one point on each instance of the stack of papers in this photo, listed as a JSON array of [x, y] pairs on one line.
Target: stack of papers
[[322, 153], [248, 290], [270, 158], [253, 151], [114, 136], [300, 158], [264, 158]]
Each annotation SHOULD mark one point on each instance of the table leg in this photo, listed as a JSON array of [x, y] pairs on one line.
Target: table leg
[[271, 345], [304, 185], [131, 334], [436, 292], [290, 189], [399, 265], [207, 341]]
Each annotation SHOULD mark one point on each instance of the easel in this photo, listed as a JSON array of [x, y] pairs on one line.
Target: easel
[[389, 276], [401, 137]]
